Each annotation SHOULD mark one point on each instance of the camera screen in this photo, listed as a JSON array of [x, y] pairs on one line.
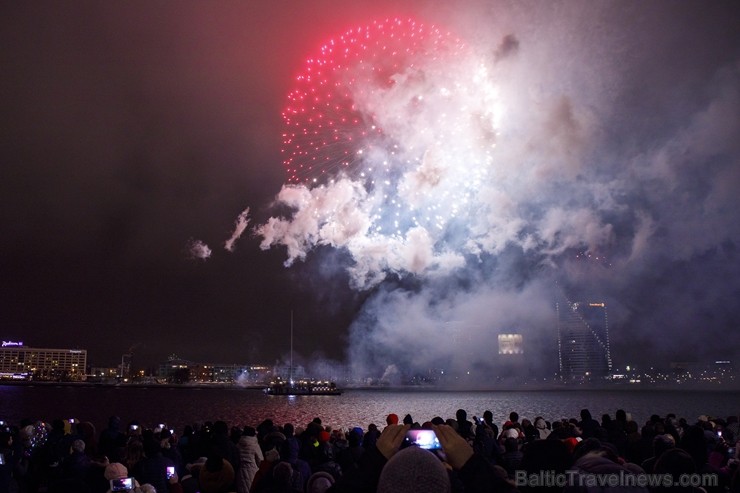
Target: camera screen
[[122, 484], [425, 439]]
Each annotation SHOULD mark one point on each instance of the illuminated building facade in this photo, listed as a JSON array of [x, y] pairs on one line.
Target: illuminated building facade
[[218, 373], [20, 362], [510, 344], [583, 340], [177, 370]]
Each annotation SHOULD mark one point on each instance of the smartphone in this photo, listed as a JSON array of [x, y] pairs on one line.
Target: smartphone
[[731, 452], [71, 420], [425, 439], [2, 459], [134, 427], [122, 484], [170, 472]]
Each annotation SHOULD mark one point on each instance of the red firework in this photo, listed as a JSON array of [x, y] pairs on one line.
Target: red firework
[[328, 125]]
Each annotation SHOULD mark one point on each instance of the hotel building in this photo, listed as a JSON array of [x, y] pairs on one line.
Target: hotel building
[[20, 362]]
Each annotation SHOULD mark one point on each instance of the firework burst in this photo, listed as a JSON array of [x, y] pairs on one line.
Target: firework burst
[[405, 108]]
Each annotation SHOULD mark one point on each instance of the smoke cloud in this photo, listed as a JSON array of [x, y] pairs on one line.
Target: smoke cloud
[[241, 223], [196, 249], [507, 179]]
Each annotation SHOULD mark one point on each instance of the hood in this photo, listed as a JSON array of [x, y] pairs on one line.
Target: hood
[[245, 440]]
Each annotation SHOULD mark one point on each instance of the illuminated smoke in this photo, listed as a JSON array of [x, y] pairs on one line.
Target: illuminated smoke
[[465, 179], [196, 249], [241, 223], [398, 146], [394, 126]]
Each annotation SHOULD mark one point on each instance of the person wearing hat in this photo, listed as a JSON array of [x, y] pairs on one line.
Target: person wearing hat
[[116, 470], [414, 469], [319, 482], [324, 459], [385, 469], [349, 457]]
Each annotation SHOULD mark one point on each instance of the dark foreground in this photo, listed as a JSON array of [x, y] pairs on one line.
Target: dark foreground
[[345, 445]]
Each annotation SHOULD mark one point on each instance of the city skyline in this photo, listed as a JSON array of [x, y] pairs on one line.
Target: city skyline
[[158, 196], [24, 364]]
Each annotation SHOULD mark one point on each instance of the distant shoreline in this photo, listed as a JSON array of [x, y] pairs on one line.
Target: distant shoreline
[[40, 383], [559, 387]]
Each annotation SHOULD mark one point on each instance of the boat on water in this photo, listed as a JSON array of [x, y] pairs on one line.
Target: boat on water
[[280, 386], [302, 387]]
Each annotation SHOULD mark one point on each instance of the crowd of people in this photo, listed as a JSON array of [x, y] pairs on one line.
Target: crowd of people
[[463, 455]]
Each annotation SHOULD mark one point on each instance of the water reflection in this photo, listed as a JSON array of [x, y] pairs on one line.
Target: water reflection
[[239, 407]]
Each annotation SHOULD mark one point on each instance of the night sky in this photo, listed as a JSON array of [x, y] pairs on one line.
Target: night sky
[[131, 130]]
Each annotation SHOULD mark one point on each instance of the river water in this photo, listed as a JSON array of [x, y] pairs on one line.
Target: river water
[[180, 406]]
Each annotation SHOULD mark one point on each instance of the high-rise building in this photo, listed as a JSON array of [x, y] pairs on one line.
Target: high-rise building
[[124, 371], [583, 340]]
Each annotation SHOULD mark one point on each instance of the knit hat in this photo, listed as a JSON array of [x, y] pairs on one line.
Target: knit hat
[[392, 419], [115, 470], [319, 482], [78, 445], [282, 472], [511, 433], [414, 470], [571, 444], [272, 455]]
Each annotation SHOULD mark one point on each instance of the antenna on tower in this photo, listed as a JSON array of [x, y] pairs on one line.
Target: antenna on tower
[[290, 369]]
